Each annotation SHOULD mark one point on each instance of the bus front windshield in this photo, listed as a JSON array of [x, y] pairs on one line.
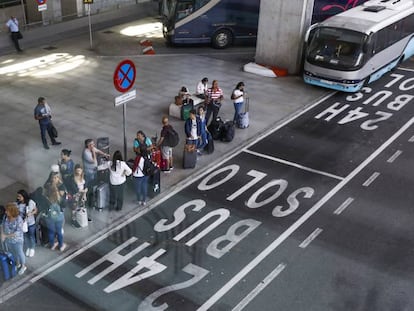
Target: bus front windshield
[[336, 48]]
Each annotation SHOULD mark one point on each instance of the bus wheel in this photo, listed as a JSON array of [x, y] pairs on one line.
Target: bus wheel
[[222, 39]]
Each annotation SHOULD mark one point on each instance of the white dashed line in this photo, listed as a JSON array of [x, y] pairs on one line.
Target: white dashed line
[[293, 164], [411, 140], [262, 285], [371, 179], [310, 238], [343, 206], [394, 156]]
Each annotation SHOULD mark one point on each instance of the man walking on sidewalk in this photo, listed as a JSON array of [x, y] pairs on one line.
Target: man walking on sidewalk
[[42, 113]]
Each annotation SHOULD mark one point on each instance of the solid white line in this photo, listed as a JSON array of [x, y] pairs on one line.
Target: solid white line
[[293, 164], [343, 206], [411, 140], [268, 250], [394, 156], [371, 179], [261, 286], [310, 238]]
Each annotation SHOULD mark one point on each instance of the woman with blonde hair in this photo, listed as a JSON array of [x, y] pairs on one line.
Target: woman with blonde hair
[[12, 235], [55, 217], [77, 189]]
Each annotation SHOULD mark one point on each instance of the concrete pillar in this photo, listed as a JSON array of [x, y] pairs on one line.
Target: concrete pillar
[[282, 25]]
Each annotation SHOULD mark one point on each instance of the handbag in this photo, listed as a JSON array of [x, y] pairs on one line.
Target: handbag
[[53, 130], [25, 226]]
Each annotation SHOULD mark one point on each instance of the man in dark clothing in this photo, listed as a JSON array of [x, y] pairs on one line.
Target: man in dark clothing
[[42, 113]]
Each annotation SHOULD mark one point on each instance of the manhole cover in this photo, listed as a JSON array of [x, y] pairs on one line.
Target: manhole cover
[[50, 48]]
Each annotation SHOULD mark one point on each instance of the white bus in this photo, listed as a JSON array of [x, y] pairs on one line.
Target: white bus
[[358, 46]]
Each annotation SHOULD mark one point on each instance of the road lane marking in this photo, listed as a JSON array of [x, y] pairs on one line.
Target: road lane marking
[[293, 164], [261, 286], [411, 140], [371, 179], [310, 238], [276, 243], [343, 206], [394, 156]]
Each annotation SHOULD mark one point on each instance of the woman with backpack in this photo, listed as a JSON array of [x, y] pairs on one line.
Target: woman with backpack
[[140, 178]]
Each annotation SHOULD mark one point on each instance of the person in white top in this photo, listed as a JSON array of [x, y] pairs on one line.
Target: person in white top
[[15, 35], [140, 179], [238, 99], [118, 171], [28, 210], [202, 88]]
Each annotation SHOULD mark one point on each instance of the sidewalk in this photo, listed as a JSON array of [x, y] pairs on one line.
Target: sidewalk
[[78, 84]]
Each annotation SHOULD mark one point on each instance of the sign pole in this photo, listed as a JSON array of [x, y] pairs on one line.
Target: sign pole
[[125, 140], [90, 26]]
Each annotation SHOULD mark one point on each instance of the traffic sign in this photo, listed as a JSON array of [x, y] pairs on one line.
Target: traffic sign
[[126, 97], [40, 2], [124, 75]]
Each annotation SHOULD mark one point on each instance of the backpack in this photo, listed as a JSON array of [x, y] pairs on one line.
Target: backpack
[[55, 212], [149, 168], [216, 128], [172, 139]]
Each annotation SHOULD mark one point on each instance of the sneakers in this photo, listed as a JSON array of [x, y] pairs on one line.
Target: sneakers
[[63, 247], [32, 252], [56, 143], [139, 202], [144, 203], [46, 146], [28, 252], [54, 246], [167, 172], [22, 270]]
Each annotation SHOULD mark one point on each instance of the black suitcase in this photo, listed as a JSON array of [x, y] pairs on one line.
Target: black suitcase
[[189, 156], [228, 131], [216, 128], [209, 148], [154, 184]]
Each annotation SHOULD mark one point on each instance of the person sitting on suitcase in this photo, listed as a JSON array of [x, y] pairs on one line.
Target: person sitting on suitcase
[[140, 140], [192, 129], [201, 89], [238, 98]]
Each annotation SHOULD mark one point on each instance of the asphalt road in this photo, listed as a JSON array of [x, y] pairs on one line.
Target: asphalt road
[[314, 215]]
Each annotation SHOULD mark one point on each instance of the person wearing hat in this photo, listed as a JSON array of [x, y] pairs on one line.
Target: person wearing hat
[[202, 88], [238, 99]]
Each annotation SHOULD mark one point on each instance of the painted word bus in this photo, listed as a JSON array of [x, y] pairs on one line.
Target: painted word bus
[[356, 47]]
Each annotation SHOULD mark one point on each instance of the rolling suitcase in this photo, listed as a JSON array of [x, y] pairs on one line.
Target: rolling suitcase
[[216, 128], [101, 196], [189, 156], [209, 148], [81, 216], [7, 265], [228, 131], [156, 157], [243, 121], [154, 184], [185, 110]]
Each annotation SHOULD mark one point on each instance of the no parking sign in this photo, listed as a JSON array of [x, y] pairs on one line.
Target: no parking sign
[[124, 75]]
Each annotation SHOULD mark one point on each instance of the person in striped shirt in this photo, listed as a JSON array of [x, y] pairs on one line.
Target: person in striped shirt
[[213, 100]]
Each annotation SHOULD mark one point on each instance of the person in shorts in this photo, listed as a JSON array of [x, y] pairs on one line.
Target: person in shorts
[[166, 151]]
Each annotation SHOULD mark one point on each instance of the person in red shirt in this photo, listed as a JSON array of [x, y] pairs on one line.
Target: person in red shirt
[[213, 101]]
